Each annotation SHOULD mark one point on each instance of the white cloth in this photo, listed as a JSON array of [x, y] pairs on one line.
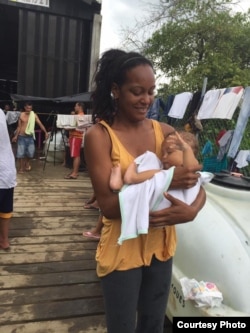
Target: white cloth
[[7, 159], [12, 117], [180, 105], [242, 158], [73, 120], [220, 103], [137, 200], [83, 122], [228, 103], [66, 121], [209, 103]]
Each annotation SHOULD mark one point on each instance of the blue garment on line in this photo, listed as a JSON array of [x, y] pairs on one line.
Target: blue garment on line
[[240, 125], [154, 110], [207, 149]]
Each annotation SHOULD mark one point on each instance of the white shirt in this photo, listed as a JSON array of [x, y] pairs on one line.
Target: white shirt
[[7, 159]]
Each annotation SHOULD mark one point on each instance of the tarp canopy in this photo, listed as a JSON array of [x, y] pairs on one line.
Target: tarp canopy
[[23, 98], [82, 97]]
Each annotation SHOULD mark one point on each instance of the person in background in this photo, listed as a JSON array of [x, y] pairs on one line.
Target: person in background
[[65, 137], [25, 136], [75, 143], [12, 117], [7, 182], [136, 275]]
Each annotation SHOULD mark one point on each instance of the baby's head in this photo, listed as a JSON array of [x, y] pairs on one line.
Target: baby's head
[[174, 157]]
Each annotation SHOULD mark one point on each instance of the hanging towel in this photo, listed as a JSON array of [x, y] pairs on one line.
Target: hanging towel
[[209, 103], [30, 128], [228, 103], [66, 121], [180, 104]]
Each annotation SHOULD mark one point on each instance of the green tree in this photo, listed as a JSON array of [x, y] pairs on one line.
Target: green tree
[[198, 39]]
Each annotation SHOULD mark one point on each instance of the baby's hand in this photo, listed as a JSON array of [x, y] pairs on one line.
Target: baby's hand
[[175, 142], [180, 143]]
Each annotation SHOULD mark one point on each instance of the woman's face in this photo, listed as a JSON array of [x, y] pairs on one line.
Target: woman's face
[[136, 95]]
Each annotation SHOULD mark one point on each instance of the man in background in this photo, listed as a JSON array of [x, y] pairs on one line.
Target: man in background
[[25, 136]]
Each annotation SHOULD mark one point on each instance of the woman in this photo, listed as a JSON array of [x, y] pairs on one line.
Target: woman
[[136, 275]]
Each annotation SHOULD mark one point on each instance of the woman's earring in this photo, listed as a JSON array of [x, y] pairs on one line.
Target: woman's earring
[[112, 95]]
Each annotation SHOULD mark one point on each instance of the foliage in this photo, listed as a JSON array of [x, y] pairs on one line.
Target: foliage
[[193, 40], [205, 40]]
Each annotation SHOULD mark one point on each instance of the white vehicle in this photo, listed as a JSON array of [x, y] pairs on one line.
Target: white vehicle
[[215, 247]]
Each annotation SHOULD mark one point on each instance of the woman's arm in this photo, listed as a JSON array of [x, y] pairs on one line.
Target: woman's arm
[[97, 150]]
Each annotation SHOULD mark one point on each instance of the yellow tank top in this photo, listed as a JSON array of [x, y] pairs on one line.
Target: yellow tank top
[[136, 252]]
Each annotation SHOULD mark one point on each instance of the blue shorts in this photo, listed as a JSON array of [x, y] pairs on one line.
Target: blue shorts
[[25, 146], [6, 202]]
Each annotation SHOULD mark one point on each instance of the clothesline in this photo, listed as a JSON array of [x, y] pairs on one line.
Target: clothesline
[[214, 104]]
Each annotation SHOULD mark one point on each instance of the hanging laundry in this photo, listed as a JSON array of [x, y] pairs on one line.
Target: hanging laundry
[[168, 105], [241, 124], [219, 136], [193, 105], [242, 158], [180, 105], [228, 103], [209, 103], [207, 149], [73, 121], [154, 110], [224, 144]]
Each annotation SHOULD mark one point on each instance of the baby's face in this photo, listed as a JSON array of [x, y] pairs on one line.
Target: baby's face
[[171, 157]]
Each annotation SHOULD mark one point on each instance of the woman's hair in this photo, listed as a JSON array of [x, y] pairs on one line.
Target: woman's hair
[[112, 68]]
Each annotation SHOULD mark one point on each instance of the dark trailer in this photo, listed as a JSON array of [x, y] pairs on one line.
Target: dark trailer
[[48, 47]]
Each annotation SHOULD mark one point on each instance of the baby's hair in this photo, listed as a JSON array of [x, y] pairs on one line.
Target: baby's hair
[[112, 68], [189, 138]]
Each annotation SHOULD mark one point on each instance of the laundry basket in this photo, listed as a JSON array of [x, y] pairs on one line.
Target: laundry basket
[[212, 164]]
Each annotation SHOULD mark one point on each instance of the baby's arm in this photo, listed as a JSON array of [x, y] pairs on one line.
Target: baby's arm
[[189, 159], [133, 177]]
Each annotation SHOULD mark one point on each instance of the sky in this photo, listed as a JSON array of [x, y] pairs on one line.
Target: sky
[[119, 14]]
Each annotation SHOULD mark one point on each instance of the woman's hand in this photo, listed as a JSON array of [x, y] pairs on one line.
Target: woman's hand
[[185, 177], [178, 212]]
